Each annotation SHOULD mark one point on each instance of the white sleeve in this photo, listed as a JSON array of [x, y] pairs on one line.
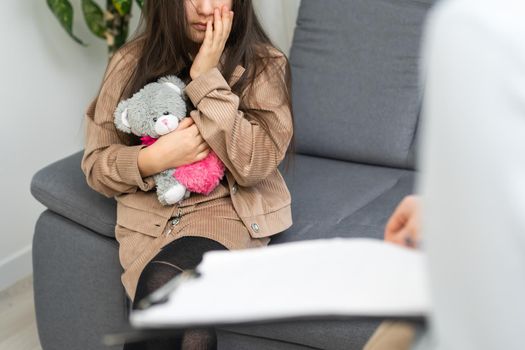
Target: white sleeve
[[473, 173]]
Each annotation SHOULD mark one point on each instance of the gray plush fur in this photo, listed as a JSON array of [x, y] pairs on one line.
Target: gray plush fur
[[149, 112], [151, 101]]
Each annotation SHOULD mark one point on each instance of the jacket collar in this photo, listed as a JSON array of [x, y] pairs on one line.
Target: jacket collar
[[237, 73]]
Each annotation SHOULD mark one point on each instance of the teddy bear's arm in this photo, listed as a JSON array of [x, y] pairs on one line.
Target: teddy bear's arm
[[247, 149]]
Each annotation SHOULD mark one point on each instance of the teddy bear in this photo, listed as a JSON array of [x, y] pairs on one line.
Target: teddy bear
[[156, 110]]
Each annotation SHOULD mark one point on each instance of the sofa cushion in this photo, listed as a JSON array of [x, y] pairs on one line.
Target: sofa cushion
[[355, 79], [332, 198], [62, 187]]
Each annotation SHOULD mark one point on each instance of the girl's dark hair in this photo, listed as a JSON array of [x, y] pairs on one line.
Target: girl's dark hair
[[165, 49]]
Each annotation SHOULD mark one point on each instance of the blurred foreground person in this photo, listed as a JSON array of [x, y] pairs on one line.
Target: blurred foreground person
[[473, 176], [473, 181]]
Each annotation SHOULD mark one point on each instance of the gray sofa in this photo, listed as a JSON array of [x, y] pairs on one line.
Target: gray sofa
[[356, 103]]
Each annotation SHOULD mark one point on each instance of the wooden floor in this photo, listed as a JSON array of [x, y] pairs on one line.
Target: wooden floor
[[17, 317]]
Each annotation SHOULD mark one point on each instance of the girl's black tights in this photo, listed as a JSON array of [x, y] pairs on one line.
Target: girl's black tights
[[181, 254]]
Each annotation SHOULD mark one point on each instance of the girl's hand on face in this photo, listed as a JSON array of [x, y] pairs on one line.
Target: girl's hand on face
[[214, 42]]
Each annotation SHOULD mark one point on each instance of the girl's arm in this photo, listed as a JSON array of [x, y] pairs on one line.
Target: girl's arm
[[111, 167], [250, 152]]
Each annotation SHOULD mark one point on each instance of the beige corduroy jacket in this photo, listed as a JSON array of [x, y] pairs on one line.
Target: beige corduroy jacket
[[251, 154]]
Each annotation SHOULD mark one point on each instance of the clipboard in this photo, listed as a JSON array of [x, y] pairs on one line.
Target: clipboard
[[336, 278]]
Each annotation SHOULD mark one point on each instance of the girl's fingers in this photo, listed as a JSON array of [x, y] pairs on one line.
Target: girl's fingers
[[192, 130], [224, 17], [208, 36], [227, 23], [202, 147], [231, 21], [203, 154], [199, 139], [186, 122], [217, 26]]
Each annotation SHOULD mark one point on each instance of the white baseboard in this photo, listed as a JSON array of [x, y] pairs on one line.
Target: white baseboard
[[15, 267]]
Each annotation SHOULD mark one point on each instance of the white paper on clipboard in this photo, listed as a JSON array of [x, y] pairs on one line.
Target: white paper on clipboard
[[325, 277]]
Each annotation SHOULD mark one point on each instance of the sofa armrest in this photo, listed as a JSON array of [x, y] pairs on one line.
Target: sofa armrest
[[61, 187]]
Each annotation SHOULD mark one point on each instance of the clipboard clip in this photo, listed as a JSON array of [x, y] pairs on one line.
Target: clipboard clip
[[162, 294]]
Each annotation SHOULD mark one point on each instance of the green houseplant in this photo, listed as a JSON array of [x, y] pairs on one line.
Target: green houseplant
[[111, 24]]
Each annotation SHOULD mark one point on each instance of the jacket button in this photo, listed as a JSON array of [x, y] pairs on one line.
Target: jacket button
[[234, 189], [255, 227]]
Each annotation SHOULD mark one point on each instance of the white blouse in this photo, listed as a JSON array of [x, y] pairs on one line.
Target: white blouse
[[473, 172]]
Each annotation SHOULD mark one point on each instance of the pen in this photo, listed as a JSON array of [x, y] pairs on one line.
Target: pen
[[413, 243]]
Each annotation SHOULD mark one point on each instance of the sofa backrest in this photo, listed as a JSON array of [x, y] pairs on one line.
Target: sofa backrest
[[355, 79]]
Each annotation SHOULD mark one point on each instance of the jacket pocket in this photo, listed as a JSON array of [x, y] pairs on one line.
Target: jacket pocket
[[272, 193], [139, 220]]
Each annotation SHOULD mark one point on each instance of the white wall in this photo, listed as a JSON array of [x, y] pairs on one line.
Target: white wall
[[47, 82], [278, 18]]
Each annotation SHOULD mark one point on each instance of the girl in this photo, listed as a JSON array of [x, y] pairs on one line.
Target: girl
[[238, 88]]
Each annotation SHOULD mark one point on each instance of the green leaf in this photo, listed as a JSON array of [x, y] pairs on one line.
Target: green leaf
[[63, 11], [140, 3], [94, 17], [123, 6]]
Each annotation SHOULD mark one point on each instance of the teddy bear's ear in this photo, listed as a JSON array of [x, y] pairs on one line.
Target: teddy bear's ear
[[121, 117], [174, 87], [174, 83]]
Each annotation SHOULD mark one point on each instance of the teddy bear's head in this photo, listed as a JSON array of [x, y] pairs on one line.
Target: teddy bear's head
[[153, 111]]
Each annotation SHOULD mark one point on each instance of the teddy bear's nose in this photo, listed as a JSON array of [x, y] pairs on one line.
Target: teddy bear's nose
[[165, 121]]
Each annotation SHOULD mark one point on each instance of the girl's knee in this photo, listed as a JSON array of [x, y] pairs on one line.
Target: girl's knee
[[155, 275]]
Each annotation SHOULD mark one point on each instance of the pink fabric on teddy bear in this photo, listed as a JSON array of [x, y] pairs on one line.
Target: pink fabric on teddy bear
[[199, 177], [202, 176]]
